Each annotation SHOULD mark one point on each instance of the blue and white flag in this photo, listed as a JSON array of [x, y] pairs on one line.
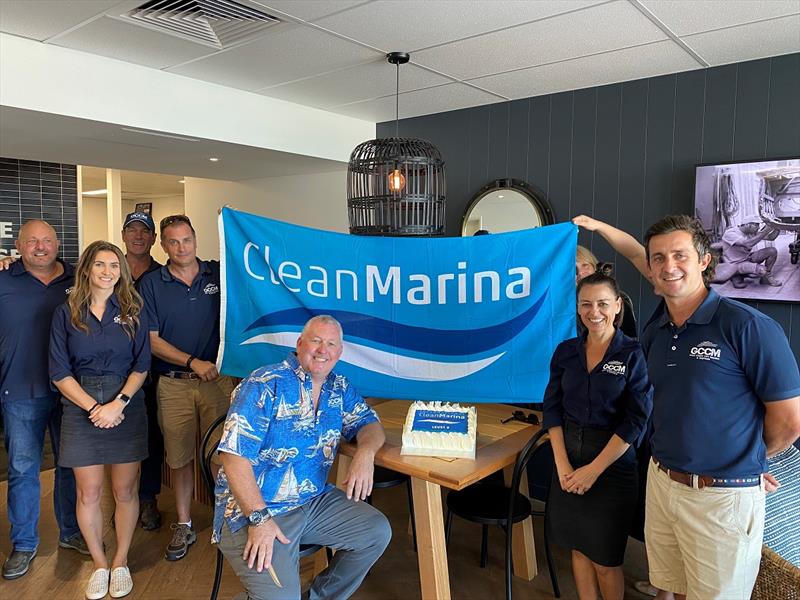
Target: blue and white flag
[[459, 319]]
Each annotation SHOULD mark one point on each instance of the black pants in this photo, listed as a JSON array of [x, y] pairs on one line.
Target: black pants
[[150, 478]]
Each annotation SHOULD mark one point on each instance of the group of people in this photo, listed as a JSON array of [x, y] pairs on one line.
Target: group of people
[[77, 346], [712, 387]]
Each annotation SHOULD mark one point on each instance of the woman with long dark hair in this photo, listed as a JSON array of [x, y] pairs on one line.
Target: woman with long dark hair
[[99, 358], [596, 407]]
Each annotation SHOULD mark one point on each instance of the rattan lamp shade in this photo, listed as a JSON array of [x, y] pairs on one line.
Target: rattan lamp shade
[[396, 186]]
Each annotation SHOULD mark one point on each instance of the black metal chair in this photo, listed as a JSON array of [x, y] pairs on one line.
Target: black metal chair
[[491, 504], [385, 478], [540, 475], [207, 450]]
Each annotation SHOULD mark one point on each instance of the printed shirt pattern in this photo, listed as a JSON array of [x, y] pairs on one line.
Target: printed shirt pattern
[[271, 422]]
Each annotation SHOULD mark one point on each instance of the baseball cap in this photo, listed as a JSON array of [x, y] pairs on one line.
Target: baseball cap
[[141, 217]]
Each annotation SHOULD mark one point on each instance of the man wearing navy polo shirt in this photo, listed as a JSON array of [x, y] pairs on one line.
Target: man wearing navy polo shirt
[[181, 301], [139, 235], [30, 290], [726, 395]]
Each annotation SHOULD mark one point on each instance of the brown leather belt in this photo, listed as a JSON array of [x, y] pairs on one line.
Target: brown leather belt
[[703, 481], [181, 375]]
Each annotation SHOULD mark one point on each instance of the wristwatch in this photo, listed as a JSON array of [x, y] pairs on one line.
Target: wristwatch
[[125, 398], [258, 517]]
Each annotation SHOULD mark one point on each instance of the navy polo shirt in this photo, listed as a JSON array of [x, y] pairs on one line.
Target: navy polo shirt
[[25, 317], [711, 377], [106, 349], [154, 265], [186, 317], [615, 395]]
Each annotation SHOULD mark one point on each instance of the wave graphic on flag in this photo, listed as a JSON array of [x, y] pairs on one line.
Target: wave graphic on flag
[[433, 342]]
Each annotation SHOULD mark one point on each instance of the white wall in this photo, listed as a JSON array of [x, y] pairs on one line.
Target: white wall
[[94, 225], [318, 200]]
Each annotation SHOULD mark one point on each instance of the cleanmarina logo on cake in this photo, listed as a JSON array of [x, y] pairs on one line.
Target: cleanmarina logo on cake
[[455, 319]]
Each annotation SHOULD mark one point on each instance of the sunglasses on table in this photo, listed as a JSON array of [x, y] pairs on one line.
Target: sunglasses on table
[[518, 415]]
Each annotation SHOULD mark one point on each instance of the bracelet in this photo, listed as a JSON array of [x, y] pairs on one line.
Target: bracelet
[[91, 410], [189, 362]]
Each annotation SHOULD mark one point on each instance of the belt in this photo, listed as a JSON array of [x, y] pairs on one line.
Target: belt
[[703, 481], [181, 375]]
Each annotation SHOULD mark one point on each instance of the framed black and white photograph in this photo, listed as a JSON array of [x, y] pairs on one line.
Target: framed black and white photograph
[[751, 211]]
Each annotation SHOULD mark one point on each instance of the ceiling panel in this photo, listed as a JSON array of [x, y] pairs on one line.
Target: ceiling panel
[[684, 18], [390, 25], [363, 82], [613, 26], [285, 54], [622, 65], [420, 102], [748, 42], [43, 19], [131, 43], [308, 10]]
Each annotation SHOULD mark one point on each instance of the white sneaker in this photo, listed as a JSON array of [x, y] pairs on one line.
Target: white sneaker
[[97, 587], [121, 582]]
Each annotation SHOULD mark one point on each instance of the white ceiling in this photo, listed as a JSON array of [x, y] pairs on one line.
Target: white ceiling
[[330, 53]]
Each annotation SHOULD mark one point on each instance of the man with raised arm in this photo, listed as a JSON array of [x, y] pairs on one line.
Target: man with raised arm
[[278, 444], [30, 290], [726, 396]]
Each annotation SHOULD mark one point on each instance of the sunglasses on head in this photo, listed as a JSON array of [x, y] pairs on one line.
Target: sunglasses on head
[[518, 415], [172, 219]]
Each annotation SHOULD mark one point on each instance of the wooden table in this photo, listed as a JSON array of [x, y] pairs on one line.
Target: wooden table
[[497, 448]]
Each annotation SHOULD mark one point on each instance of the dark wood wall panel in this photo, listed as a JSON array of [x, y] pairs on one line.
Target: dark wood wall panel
[[624, 153]]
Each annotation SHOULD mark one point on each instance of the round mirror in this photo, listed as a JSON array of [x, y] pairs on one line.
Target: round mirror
[[506, 205]]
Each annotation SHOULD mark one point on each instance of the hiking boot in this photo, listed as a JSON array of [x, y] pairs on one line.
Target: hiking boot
[[17, 564], [183, 537], [75, 542], [768, 279], [738, 282], [149, 517]]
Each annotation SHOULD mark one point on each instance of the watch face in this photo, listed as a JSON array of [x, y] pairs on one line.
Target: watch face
[[255, 518]]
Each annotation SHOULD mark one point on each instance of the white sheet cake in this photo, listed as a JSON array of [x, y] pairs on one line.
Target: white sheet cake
[[440, 429]]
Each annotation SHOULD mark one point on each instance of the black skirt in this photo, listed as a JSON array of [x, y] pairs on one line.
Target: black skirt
[[596, 523], [83, 444]]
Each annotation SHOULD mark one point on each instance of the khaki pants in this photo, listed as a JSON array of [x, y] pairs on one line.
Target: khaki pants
[[705, 543], [185, 404]]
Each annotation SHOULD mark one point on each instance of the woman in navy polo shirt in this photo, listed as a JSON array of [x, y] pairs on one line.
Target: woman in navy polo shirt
[[596, 407], [99, 357]]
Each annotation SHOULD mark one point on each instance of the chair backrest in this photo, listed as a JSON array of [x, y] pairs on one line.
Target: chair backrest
[[207, 450], [777, 578], [540, 471], [522, 463]]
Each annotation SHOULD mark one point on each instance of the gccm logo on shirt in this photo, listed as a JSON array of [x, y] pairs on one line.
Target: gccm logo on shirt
[[211, 288], [705, 351], [614, 367]]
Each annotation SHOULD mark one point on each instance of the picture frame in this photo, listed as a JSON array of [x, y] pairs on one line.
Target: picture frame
[[751, 212], [145, 207]]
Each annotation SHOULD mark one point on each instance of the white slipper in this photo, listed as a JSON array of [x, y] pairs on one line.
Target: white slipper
[[97, 587], [121, 582]]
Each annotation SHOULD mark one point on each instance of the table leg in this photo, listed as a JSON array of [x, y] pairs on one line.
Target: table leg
[[523, 549], [431, 549]]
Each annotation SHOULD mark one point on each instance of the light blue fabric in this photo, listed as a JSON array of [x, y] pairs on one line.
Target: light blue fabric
[[272, 423], [436, 318], [782, 521]]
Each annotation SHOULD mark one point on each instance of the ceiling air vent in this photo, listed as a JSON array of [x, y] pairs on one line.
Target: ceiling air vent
[[216, 23]]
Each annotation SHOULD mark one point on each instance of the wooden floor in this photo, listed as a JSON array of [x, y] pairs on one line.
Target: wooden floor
[[58, 574]]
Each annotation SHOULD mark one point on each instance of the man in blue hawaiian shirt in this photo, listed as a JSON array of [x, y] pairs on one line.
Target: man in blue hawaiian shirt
[[278, 444]]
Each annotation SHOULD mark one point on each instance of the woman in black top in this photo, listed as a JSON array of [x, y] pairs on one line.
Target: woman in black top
[[596, 407]]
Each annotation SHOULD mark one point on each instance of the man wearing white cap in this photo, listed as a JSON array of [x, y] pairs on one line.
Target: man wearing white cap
[[737, 248]]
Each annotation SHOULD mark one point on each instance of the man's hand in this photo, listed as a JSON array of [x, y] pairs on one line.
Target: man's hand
[[7, 261], [258, 549], [358, 483], [770, 483], [206, 370], [588, 223]]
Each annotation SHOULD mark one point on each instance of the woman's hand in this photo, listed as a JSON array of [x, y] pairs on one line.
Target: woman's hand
[[582, 479], [564, 471], [108, 415]]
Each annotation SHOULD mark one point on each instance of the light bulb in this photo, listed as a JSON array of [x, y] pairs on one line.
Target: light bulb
[[397, 181]]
